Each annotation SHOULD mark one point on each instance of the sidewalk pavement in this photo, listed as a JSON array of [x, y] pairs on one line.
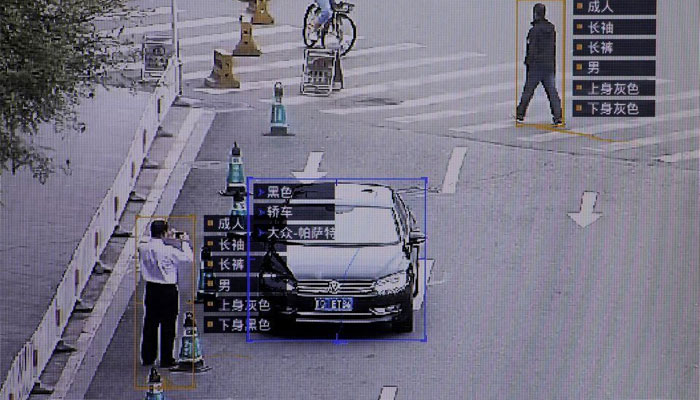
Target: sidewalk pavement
[[41, 225]]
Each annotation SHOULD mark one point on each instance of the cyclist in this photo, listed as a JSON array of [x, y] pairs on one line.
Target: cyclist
[[326, 13]]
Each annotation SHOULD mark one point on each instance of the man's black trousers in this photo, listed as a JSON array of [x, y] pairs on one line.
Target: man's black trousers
[[161, 311], [537, 74]]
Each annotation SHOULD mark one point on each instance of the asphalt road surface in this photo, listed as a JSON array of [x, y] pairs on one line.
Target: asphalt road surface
[[522, 302]]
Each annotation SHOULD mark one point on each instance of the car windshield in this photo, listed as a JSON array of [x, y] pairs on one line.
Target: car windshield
[[359, 225]]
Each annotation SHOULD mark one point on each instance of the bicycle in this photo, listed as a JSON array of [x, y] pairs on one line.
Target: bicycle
[[340, 27]]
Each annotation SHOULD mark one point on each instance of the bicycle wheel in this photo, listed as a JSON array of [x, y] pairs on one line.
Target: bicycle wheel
[[341, 34], [312, 13]]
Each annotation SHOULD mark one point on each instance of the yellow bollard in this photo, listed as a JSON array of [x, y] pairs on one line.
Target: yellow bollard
[[261, 15], [247, 45], [222, 76]]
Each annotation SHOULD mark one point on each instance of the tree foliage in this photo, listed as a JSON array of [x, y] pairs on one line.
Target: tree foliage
[[51, 55]]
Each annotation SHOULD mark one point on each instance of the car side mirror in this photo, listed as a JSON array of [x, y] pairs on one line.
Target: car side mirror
[[416, 237]]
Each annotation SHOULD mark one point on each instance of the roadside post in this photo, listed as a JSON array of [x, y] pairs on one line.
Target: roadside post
[[155, 386], [190, 358], [235, 182], [246, 47], [278, 116]]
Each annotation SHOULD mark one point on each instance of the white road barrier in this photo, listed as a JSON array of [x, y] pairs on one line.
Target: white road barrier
[[74, 382]]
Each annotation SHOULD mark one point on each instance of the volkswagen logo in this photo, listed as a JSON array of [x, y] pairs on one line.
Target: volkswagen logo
[[333, 287]]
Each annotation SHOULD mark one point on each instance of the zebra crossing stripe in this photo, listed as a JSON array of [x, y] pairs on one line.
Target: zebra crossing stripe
[[650, 140], [235, 35], [137, 14], [409, 119], [297, 62], [423, 101], [443, 114], [400, 84], [265, 49], [291, 100], [615, 125], [685, 156], [230, 37], [415, 63], [274, 48], [166, 27], [488, 126], [542, 114]]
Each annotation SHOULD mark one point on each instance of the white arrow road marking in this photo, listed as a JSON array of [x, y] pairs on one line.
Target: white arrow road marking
[[388, 393], [425, 269], [449, 185], [586, 216], [311, 172]]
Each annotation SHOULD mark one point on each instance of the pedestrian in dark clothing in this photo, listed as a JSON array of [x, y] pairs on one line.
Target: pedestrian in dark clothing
[[160, 259], [541, 65]]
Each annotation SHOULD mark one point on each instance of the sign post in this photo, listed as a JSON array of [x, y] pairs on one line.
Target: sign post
[[157, 51]]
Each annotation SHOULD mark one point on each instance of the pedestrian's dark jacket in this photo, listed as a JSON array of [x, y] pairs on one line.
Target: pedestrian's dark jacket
[[541, 44]]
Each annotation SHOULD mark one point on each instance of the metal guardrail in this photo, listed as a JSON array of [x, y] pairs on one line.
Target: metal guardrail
[[30, 361]]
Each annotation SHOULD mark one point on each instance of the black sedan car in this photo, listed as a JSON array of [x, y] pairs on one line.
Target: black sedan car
[[366, 274]]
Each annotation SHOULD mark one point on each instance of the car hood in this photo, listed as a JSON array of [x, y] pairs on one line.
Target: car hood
[[321, 262]]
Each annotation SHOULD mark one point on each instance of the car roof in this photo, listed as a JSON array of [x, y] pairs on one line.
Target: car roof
[[356, 194]]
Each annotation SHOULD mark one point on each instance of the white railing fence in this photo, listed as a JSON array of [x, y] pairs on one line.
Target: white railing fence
[[35, 354]]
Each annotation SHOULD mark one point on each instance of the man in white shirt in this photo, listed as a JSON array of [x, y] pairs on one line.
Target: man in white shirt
[[160, 259]]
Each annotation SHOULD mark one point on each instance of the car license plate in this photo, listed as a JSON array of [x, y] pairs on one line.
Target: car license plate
[[333, 303]]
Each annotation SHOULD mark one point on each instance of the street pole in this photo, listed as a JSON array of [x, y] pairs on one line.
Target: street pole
[[176, 45]]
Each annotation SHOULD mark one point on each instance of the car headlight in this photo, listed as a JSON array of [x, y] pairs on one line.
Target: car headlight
[[390, 284]]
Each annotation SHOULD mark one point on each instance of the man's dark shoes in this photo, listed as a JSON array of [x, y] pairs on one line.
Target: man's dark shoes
[[519, 118], [168, 363], [557, 123]]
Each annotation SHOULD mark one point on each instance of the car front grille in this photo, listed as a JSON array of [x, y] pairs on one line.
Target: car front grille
[[346, 287]]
